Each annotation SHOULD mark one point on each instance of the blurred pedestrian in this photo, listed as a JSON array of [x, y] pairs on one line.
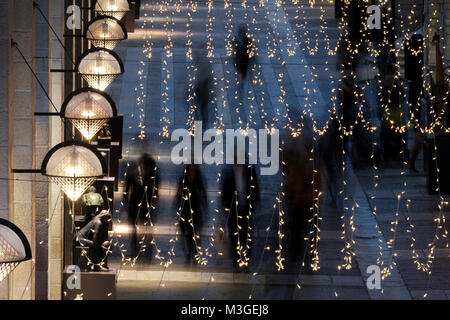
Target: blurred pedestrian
[[240, 194], [244, 55], [358, 33], [300, 193], [330, 154], [192, 204], [441, 86], [203, 90], [414, 60], [392, 117], [351, 107], [141, 190], [244, 59]]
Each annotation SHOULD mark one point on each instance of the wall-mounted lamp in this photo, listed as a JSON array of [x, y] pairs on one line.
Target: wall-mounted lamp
[[88, 110], [14, 248], [105, 32], [99, 67], [74, 166], [114, 8]]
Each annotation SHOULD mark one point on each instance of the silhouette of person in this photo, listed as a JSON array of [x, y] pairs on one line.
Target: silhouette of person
[[243, 56], [299, 197], [239, 181], [392, 117], [192, 202], [141, 189], [243, 60], [414, 59], [202, 90], [350, 102]]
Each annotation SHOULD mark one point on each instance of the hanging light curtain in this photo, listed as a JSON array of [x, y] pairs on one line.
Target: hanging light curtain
[[105, 32], [88, 110], [14, 248], [99, 67], [114, 8], [74, 166]]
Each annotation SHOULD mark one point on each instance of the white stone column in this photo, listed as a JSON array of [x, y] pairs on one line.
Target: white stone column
[[5, 56], [22, 142], [55, 200]]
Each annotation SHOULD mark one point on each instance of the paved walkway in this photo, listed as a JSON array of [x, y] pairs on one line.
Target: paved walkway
[[289, 82]]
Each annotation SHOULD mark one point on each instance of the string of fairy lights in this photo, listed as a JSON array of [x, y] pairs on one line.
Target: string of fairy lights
[[276, 45]]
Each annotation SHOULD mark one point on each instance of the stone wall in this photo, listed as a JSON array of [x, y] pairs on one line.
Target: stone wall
[[22, 141], [4, 121], [28, 200], [41, 189], [55, 225]]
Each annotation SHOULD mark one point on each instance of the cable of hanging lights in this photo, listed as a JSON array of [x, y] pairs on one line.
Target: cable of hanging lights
[[140, 104], [149, 203], [350, 132]]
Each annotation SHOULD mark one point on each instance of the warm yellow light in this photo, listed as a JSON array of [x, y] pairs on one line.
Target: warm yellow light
[[73, 171], [99, 69], [88, 114], [114, 8]]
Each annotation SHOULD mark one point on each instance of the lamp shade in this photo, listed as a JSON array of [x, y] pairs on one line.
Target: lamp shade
[[105, 32], [74, 166], [14, 248], [88, 110], [99, 67], [114, 8]]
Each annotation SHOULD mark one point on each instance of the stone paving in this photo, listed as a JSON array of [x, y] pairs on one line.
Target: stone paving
[[165, 83]]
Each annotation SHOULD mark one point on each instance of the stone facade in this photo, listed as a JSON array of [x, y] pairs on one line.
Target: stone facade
[[27, 199], [5, 55]]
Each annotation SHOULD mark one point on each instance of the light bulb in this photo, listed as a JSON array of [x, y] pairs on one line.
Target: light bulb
[[73, 171], [99, 66], [88, 111], [105, 30], [113, 6]]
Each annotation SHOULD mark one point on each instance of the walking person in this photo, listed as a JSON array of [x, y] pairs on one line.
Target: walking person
[[414, 73], [203, 91], [392, 119], [192, 204], [240, 194], [352, 105], [141, 189], [243, 59], [300, 195]]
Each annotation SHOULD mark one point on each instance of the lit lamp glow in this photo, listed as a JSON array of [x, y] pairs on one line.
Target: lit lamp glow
[[105, 32], [14, 248], [114, 8], [88, 110], [74, 166], [99, 67]]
